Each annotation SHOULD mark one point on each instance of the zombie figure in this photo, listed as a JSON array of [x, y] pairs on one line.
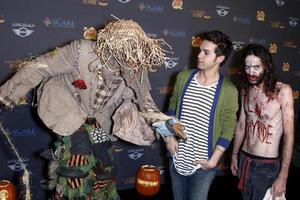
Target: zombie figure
[[266, 115]]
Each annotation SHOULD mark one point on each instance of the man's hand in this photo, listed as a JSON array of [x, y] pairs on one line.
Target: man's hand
[[205, 164], [213, 160], [172, 145], [234, 164]]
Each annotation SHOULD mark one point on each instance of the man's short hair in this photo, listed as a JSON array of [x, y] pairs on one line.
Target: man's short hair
[[224, 45]]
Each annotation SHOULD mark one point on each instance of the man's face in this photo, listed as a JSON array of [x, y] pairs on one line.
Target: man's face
[[254, 69], [207, 58]]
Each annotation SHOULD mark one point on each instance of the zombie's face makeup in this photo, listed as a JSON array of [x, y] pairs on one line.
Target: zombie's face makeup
[[254, 69]]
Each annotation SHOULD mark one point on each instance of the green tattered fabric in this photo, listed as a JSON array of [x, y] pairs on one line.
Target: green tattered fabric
[[85, 177]]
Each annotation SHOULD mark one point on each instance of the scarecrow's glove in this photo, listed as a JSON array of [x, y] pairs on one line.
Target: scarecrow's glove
[[170, 127]]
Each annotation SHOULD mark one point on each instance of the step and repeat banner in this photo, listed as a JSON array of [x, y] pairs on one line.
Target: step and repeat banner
[[33, 27]]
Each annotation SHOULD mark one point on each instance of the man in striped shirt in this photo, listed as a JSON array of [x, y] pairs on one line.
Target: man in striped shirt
[[206, 103]]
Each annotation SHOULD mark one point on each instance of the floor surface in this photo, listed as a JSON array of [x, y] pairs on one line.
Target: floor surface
[[223, 187]]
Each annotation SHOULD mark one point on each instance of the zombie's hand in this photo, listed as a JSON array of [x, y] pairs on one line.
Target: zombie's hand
[[171, 127]]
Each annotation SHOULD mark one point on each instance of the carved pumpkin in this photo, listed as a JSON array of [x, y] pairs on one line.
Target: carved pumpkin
[[7, 191], [148, 180]]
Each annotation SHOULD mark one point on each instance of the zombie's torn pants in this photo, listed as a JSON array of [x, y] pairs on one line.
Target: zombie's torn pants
[[256, 175], [85, 166]]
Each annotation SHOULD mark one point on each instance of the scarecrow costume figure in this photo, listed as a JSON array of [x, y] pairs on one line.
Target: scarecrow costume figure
[[89, 92]]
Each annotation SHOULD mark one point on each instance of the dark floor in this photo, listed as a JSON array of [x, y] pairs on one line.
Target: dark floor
[[223, 187]]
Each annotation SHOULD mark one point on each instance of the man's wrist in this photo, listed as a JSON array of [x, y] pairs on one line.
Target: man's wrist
[[213, 162]]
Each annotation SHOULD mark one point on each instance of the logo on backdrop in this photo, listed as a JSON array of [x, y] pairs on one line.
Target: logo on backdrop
[[2, 19], [13, 64], [135, 154], [222, 10], [293, 21], [238, 45], [95, 2], [261, 41], [233, 70], [285, 66], [297, 73], [273, 48], [200, 14], [177, 4], [58, 23], [124, 1], [16, 165], [290, 44], [279, 2], [260, 15], [102, 2], [296, 94], [23, 132], [242, 20], [171, 62], [152, 35], [277, 24], [174, 33], [128, 180], [165, 90], [196, 41], [23, 29], [156, 8]]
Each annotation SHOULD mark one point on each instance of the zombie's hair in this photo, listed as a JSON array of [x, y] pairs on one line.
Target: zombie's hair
[[265, 56], [224, 45], [125, 42]]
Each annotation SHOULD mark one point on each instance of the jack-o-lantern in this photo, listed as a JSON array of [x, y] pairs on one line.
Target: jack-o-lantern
[[148, 180], [7, 190]]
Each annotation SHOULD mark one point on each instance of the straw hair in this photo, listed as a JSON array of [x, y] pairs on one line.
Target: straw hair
[[127, 43]]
